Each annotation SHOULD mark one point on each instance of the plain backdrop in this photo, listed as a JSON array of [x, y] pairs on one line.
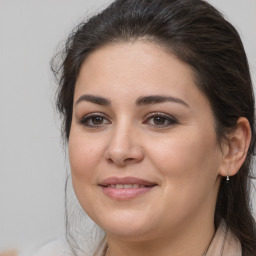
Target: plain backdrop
[[32, 159]]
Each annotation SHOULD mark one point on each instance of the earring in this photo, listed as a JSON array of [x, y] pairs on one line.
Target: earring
[[227, 179]]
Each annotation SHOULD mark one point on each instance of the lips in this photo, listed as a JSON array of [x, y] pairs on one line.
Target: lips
[[122, 186], [126, 181], [125, 188]]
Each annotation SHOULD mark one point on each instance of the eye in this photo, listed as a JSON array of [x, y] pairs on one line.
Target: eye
[[160, 120], [94, 120]]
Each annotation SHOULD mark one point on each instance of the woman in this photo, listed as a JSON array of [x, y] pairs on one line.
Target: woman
[[158, 113]]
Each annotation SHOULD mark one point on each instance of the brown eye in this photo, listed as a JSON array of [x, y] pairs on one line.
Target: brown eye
[[161, 120], [94, 121], [97, 120]]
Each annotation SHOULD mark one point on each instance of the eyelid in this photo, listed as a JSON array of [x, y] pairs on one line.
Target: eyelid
[[162, 114], [91, 115], [88, 117], [169, 117]]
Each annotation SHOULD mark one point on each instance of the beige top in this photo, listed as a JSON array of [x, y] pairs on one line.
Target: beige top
[[224, 243], [9, 253]]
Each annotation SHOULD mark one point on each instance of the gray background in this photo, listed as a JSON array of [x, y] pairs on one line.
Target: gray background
[[32, 159]]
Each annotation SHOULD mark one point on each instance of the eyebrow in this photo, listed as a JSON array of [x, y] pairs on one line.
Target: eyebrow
[[141, 101], [93, 99], [154, 99]]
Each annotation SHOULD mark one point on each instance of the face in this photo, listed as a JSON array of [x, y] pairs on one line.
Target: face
[[143, 150]]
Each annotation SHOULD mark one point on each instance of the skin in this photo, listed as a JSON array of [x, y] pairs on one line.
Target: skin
[[177, 151], [9, 253]]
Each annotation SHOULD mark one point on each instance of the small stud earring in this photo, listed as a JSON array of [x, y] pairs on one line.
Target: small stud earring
[[227, 179]]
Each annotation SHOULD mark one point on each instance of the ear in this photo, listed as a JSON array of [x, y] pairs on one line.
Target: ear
[[235, 148]]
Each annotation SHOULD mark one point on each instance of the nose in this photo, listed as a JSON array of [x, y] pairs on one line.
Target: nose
[[124, 147]]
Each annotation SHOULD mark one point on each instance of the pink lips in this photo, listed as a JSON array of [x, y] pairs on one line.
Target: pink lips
[[125, 188]]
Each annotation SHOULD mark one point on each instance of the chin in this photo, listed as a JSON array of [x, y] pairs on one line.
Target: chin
[[127, 226]]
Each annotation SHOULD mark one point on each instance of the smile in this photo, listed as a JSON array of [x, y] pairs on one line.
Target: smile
[[125, 188]]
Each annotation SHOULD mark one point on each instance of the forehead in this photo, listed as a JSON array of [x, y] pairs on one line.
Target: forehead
[[136, 68]]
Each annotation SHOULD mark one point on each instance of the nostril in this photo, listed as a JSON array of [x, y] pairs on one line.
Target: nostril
[[129, 159], [109, 160]]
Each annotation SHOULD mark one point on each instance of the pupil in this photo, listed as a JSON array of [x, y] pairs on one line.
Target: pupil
[[159, 120], [97, 120]]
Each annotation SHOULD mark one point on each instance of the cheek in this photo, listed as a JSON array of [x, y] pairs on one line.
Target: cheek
[[188, 166], [83, 157], [186, 157]]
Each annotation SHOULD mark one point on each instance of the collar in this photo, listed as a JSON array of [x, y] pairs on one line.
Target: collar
[[224, 243]]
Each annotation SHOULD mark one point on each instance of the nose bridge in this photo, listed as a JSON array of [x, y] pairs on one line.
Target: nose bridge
[[124, 146]]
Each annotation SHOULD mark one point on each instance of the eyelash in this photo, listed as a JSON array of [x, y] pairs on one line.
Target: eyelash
[[87, 120], [166, 118]]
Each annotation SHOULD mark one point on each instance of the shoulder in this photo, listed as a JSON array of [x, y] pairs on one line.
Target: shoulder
[[58, 247], [9, 253]]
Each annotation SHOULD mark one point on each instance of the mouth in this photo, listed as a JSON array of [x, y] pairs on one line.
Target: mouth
[[125, 188]]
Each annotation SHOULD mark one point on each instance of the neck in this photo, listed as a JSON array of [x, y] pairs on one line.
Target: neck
[[190, 240]]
